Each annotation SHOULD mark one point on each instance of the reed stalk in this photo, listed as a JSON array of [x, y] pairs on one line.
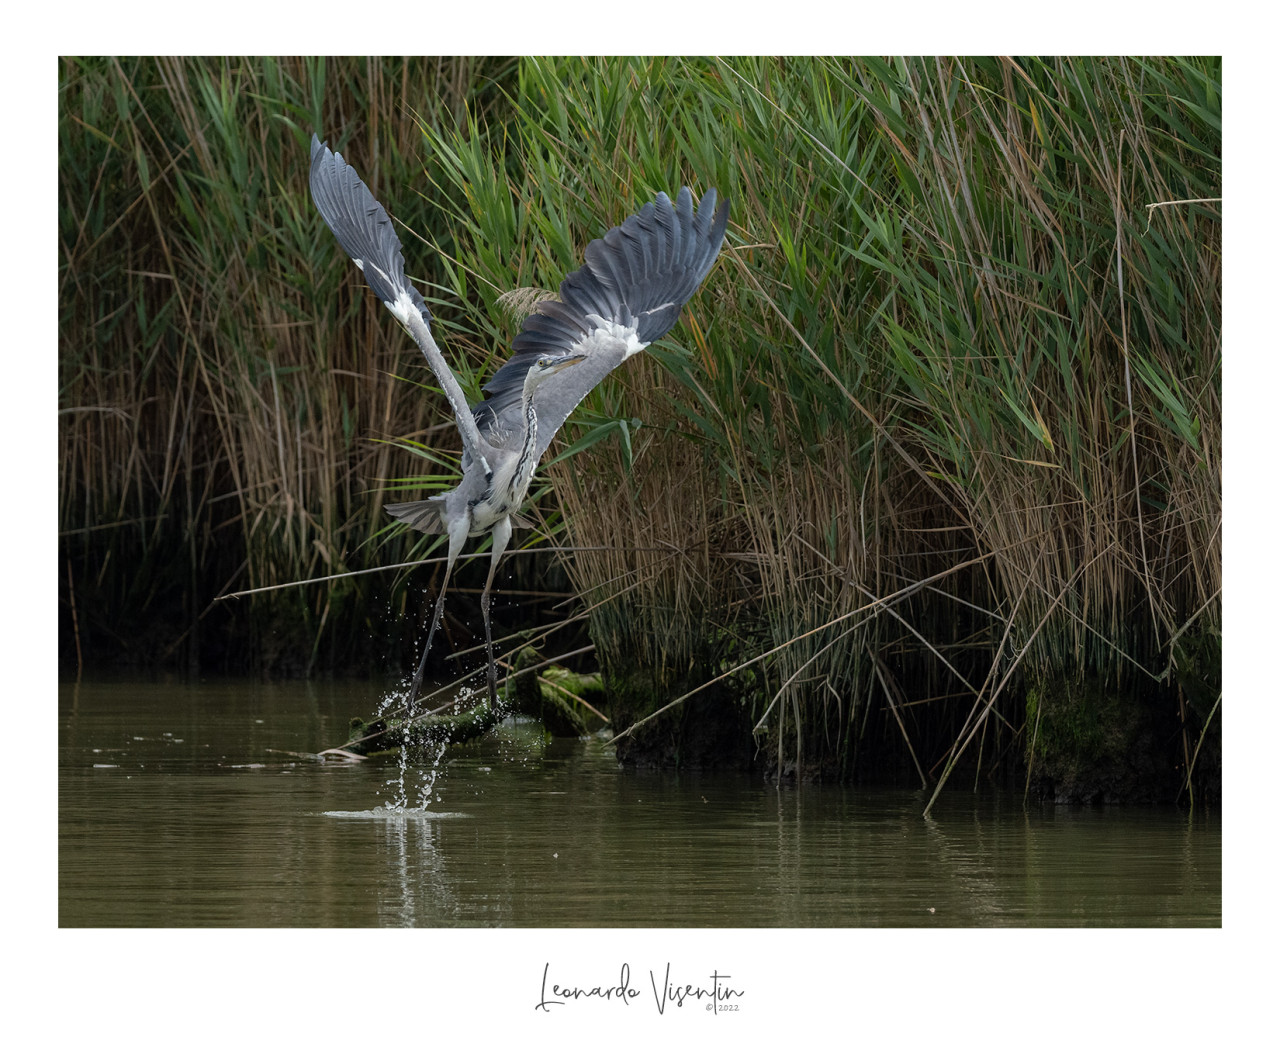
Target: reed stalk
[[966, 327]]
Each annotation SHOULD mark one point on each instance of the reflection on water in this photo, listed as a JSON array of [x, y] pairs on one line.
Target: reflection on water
[[191, 805]]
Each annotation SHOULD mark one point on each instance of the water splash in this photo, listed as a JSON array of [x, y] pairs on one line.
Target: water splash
[[413, 777], [391, 813], [428, 775]]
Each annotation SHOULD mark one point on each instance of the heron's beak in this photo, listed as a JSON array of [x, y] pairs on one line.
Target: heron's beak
[[568, 361]]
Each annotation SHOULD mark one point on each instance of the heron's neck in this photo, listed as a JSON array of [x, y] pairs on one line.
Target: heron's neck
[[527, 461]]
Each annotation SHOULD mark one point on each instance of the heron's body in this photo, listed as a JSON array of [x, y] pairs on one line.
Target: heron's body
[[628, 294]]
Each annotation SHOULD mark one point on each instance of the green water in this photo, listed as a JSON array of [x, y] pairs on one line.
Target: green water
[[186, 805]]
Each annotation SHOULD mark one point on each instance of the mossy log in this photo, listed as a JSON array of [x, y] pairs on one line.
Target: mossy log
[[558, 698]]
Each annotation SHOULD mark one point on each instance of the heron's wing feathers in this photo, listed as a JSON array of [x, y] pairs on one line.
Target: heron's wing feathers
[[364, 230], [361, 226], [628, 293]]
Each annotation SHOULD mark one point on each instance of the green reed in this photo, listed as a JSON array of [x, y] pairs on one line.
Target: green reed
[[914, 360], [225, 412], [945, 417]]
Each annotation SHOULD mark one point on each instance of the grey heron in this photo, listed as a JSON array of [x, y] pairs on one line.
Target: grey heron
[[628, 294]]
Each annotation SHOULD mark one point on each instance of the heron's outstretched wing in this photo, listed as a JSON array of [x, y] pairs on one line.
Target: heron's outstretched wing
[[628, 294], [364, 230]]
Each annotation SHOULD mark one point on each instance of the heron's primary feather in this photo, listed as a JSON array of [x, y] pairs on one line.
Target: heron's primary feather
[[364, 231], [361, 226]]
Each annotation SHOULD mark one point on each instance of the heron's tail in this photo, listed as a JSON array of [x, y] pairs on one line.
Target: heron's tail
[[426, 515]]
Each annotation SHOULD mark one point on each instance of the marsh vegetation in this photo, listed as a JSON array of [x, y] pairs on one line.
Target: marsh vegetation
[[928, 477]]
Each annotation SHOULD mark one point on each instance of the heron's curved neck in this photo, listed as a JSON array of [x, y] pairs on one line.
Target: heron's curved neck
[[527, 461]]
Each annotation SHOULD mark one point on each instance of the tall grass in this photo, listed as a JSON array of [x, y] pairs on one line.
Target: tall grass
[[916, 359], [942, 425], [225, 406]]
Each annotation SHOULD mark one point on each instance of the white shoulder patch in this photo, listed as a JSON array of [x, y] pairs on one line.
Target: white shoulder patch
[[606, 331], [403, 308]]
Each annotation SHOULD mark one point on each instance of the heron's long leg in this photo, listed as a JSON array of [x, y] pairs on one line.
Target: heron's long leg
[[457, 538], [501, 535]]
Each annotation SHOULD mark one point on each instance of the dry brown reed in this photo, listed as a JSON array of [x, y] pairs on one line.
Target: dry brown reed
[[954, 370]]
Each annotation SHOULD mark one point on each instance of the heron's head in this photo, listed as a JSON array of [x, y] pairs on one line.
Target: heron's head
[[547, 366]]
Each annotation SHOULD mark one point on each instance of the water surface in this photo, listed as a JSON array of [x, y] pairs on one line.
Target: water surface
[[195, 805]]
